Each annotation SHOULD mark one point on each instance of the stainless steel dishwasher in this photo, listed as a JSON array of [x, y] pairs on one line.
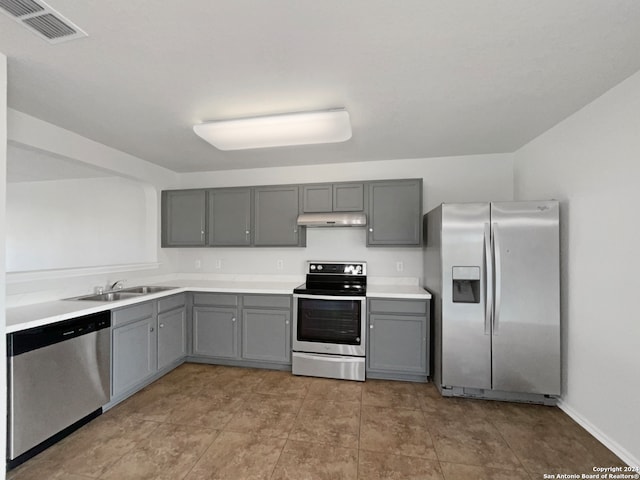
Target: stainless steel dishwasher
[[59, 379]]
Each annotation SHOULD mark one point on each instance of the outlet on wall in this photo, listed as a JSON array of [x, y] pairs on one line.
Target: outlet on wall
[[218, 263], [399, 266], [279, 264]]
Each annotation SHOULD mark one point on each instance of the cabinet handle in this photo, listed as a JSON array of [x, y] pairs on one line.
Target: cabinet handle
[[233, 319], [371, 229], [286, 322], [162, 325], [246, 232], [151, 329], [371, 326]]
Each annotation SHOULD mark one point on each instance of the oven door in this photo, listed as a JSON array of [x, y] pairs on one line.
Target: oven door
[[329, 324]]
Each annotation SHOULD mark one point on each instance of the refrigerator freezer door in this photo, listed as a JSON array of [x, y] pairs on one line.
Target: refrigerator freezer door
[[466, 343], [526, 320]]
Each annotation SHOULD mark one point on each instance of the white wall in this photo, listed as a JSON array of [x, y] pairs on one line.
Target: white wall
[[3, 170], [84, 222], [591, 162], [27, 132], [451, 179]]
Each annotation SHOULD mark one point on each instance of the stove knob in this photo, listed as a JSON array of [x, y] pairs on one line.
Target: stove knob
[[312, 267], [319, 267]]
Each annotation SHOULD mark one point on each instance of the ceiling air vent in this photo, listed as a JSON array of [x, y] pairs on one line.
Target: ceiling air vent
[[42, 20]]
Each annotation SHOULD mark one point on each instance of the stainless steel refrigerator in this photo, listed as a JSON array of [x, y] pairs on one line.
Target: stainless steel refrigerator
[[493, 269]]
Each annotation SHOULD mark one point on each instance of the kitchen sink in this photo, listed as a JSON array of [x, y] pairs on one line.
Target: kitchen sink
[[108, 297], [123, 294], [146, 290]]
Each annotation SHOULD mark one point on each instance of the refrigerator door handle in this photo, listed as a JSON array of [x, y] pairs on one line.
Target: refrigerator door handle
[[488, 286], [495, 237]]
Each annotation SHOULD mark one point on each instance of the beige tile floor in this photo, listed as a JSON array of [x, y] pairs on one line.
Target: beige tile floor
[[204, 422]]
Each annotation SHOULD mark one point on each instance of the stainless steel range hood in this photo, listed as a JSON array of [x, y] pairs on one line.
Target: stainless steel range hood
[[335, 219]]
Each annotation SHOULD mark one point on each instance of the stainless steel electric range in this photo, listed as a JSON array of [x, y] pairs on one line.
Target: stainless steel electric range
[[329, 321]]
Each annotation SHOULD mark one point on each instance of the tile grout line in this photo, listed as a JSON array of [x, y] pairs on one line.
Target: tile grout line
[[424, 415], [133, 447], [515, 454], [359, 433], [275, 465]]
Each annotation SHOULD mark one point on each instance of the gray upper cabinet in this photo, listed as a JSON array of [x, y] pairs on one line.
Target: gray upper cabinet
[[266, 216], [229, 217], [395, 213], [276, 213], [348, 197], [317, 198], [333, 197], [183, 218]]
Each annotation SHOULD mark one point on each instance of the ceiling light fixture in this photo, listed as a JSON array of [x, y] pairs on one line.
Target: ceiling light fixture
[[307, 128]]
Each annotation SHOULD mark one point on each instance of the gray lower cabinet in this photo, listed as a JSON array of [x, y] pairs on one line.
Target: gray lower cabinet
[[134, 348], [146, 338], [398, 343], [229, 217], [242, 329], [215, 332], [183, 218], [266, 335], [172, 336], [395, 213], [276, 213]]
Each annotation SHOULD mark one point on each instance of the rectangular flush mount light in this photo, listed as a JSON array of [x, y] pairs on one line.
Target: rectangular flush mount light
[[330, 126]]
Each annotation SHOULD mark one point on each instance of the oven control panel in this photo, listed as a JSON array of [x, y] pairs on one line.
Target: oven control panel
[[337, 268]]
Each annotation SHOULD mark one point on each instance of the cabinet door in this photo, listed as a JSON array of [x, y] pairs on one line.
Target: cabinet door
[[348, 197], [172, 336], [397, 343], [230, 217], [266, 335], [317, 198], [183, 218], [395, 211], [215, 332], [134, 354], [276, 213]]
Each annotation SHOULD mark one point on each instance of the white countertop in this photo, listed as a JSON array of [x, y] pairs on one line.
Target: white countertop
[[398, 291], [36, 315]]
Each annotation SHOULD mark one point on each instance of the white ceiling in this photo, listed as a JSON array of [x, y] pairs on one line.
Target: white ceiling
[[420, 78]]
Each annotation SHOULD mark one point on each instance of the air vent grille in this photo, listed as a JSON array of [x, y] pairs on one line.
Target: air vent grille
[[18, 8], [41, 19], [50, 26]]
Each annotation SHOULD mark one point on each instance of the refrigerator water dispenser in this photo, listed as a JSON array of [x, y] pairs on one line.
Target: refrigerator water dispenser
[[466, 284]]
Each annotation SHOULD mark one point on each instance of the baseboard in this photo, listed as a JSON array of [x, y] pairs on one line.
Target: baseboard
[[612, 445]]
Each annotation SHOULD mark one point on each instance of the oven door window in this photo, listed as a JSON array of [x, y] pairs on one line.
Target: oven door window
[[329, 321]]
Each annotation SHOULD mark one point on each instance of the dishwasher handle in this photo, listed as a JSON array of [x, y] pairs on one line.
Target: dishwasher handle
[[40, 337]]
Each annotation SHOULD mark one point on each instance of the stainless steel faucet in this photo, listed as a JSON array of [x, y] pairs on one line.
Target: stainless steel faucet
[[117, 285]]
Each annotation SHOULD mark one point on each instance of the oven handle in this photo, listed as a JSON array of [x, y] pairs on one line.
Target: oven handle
[[328, 297]]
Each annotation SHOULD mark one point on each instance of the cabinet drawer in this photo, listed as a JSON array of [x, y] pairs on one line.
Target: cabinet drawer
[[225, 300], [129, 314], [268, 301], [398, 306], [170, 303]]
